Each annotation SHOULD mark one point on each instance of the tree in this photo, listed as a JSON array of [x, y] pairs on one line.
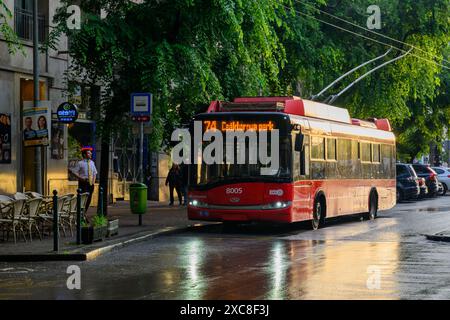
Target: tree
[[186, 53], [189, 52], [409, 92]]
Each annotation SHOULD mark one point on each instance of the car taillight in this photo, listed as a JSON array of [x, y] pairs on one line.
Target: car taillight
[[448, 176]]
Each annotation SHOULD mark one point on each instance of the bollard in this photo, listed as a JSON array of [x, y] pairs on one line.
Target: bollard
[[55, 222], [79, 216], [100, 200]]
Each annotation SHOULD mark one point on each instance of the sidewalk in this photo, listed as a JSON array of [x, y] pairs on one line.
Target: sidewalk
[[160, 219]]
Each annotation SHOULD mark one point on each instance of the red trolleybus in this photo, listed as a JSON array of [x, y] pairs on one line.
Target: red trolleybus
[[330, 165]]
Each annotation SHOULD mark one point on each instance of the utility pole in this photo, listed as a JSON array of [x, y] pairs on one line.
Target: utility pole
[[38, 149]]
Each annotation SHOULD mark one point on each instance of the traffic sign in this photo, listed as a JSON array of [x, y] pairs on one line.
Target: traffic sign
[[140, 118], [141, 105]]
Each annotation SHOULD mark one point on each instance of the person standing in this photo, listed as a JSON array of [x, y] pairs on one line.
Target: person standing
[[174, 182], [86, 173]]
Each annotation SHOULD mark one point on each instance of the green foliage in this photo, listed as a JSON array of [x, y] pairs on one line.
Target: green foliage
[[185, 52], [7, 32], [99, 221], [410, 92], [188, 53]]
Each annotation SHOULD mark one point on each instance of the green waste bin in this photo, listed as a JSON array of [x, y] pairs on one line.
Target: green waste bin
[[138, 198]]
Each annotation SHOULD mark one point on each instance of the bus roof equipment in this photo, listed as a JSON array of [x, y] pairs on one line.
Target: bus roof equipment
[[299, 107]]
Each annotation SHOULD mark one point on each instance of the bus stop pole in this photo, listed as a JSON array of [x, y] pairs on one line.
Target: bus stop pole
[[141, 160]]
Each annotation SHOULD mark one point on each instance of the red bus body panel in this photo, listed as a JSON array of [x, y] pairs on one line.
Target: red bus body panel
[[342, 197]]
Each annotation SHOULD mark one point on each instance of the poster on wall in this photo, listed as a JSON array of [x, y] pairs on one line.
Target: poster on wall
[[5, 138], [57, 144], [35, 123]]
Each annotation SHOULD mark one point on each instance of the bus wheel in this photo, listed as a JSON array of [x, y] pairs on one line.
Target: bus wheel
[[373, 206], [318, 214]]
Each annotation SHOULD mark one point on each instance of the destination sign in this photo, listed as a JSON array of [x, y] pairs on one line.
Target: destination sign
[[237, 125]]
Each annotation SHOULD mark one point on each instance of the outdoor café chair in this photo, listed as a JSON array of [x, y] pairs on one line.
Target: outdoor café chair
[[31, 219], [47, 216], [69, 212], [12, 216]]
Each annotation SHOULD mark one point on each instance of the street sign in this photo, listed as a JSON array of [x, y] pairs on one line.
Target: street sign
[[67, 113], [141, 107]]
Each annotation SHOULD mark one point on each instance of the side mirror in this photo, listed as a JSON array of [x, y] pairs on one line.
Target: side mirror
[[299, 138]]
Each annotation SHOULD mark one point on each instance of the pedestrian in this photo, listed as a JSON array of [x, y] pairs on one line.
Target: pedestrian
[[174, 182], [86, 173], [184, 183]]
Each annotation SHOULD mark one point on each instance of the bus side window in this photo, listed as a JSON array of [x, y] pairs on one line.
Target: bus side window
[[304, 157], [299, 156]]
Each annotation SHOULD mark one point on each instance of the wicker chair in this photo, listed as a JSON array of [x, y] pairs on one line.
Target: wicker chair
[[31, 219], [12, 215]]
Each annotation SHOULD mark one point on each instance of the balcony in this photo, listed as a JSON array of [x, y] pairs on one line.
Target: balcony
[[23, 20]]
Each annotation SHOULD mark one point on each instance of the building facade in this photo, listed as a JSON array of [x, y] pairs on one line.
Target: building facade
[[17, 160], [17, 168]]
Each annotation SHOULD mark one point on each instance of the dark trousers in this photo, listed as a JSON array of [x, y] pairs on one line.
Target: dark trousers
[[178, 189], [86, 187]]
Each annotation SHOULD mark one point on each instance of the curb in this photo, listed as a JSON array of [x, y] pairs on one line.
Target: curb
[[85, 254]]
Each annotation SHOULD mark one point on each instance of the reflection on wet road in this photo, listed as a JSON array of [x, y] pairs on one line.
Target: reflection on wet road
[[383, 259]]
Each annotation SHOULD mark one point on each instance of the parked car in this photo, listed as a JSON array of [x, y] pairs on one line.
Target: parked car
[[440, 189], [430, 176], [407, 182], [443, 177], [423, 188]]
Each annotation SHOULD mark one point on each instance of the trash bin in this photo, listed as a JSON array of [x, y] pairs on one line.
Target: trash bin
[[138, 198]]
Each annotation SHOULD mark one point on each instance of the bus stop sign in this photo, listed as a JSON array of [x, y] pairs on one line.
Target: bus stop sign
[[141, 107]]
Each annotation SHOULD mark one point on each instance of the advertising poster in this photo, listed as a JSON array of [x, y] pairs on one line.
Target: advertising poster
[[57, 141], [36, 124], [5, 138]]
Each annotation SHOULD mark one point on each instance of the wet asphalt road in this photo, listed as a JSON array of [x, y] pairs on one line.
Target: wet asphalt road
[[348, 259]]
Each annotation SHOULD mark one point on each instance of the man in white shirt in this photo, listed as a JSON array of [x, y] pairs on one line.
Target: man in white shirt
[[86, 172]]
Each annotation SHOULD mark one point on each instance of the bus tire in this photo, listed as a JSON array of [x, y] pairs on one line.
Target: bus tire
[[319, 212], [373, 206]]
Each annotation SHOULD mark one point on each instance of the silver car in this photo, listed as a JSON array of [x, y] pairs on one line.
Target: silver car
[[443, 177]]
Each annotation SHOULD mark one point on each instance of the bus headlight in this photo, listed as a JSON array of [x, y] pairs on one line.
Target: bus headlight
[[277, 205], [197, 203]]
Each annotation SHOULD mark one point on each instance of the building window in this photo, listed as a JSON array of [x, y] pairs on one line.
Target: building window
[[23, 21]]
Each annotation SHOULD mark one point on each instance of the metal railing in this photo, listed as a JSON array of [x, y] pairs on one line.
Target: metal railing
[[23, 24]]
